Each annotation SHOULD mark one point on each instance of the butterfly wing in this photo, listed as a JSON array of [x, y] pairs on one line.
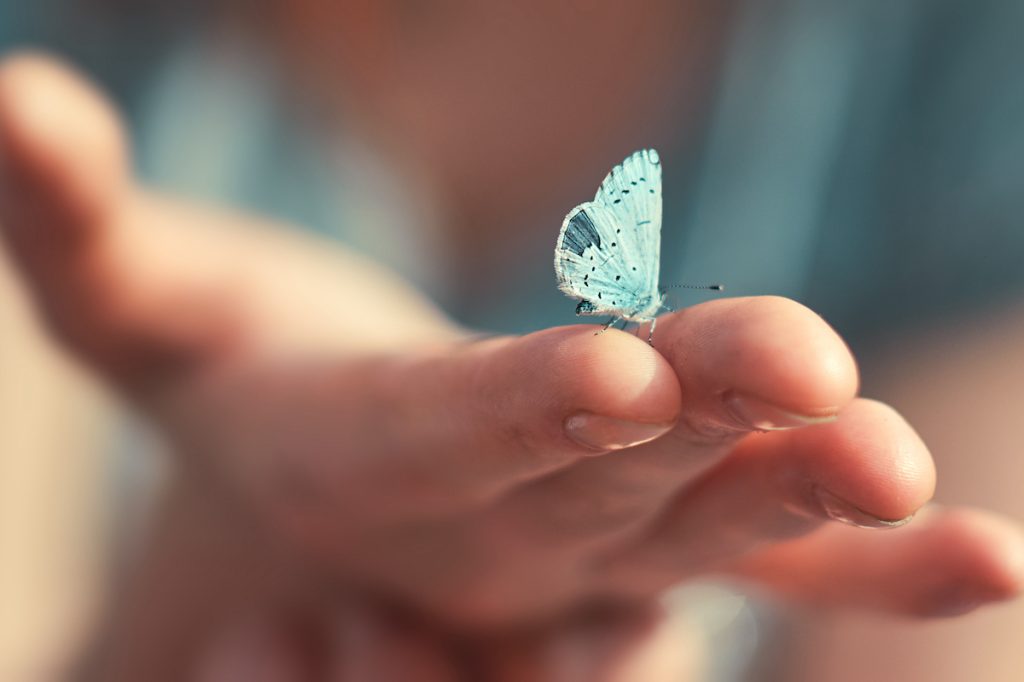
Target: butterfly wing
[[608, 250], [632, 190]]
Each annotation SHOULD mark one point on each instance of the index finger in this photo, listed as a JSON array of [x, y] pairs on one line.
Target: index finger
[[424, 433]]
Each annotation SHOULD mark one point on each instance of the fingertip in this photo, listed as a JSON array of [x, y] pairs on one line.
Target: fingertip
[[966, 558], [874, 460], [801, 358], [617, 374], [606, 391], [1011, 563], [768, 347], [946, 563], [61, 142], [990, 547]]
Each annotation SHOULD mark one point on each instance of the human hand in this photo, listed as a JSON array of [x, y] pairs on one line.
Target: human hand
[[487, 484]]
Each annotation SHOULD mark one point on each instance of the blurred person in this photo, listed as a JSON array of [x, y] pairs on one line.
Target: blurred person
[[362, 488]]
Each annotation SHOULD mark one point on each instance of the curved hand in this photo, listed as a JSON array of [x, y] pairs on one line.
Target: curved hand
[[484, 483]]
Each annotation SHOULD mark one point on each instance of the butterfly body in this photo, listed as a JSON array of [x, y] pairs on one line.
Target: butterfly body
[[609, 249]]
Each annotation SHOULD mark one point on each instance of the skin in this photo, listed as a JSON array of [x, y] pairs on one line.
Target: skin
[[979, 359], [401, 499]]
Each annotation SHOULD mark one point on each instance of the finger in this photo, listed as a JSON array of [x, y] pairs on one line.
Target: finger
[[741, 364], [948, 562], [64, 154], [868, 468], [439, 430], [70, 214]]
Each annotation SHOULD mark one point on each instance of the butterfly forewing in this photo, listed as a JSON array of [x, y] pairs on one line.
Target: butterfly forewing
[[632, 190]]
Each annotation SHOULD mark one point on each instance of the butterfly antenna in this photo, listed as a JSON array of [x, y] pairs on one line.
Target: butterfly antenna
[[702, 287]]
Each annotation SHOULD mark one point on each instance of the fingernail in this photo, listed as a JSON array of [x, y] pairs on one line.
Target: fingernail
[[839, 509], [607, 433], [755, 413]]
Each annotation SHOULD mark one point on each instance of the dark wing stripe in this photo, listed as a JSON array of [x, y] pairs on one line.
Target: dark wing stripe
[[580, 233]]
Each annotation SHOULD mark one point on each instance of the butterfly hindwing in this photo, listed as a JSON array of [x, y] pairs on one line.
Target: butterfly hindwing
[[590, 265]]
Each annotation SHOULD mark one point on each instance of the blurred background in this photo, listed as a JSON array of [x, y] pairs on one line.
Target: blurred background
[[865, 158]]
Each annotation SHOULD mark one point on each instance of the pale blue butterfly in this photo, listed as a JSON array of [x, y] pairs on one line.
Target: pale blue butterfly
[[609, 249]]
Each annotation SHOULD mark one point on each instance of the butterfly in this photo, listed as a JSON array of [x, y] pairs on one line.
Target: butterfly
[[609, 250]]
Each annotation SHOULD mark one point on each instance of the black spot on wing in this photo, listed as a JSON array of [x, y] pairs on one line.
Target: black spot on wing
[[580, 234]]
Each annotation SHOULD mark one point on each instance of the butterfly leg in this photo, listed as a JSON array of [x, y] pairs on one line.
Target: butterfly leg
[[605, 328], [650, 333]]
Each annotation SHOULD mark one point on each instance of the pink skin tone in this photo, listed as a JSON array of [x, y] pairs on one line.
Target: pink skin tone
[[333, 473]]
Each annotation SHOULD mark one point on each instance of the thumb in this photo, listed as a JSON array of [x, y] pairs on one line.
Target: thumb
[[62, 164], [73, 221], [440, 430]]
